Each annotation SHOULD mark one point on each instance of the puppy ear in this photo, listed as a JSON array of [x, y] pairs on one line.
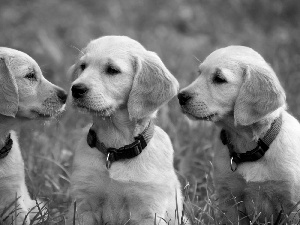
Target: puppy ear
[[153, 85], [9, 97], [260, 94]]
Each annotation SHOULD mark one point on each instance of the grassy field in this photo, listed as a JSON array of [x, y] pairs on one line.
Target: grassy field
[[180, 32]]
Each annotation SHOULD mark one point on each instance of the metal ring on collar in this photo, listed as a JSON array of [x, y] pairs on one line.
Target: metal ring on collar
[[108, 162], [232, 167]]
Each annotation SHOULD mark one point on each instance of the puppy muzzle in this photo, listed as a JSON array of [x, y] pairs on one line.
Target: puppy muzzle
[[79, 91], [183, 98], [62, 96]]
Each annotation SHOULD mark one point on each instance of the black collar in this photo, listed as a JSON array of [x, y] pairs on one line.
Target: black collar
[[255, 154], [6, 148], [126, 152]]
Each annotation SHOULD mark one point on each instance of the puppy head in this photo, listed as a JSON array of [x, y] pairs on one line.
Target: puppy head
[[116, 72], [234, 81], [24, 92]]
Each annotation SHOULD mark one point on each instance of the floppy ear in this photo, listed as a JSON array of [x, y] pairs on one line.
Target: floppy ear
[[260, 94], [153, 85], [9, 97]]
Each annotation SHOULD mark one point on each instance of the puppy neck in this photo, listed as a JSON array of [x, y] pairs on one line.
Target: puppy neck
[[245, 137], [118, 130]]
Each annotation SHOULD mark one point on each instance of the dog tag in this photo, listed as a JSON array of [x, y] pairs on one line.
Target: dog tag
[[233, 165], [108, 162]]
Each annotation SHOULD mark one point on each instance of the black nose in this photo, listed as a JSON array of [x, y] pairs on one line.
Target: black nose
[[79, 90], [183, 97], [62, 95]]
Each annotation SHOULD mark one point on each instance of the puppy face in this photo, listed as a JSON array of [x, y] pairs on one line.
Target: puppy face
[[24, 92], [116, 72], [235, 82]]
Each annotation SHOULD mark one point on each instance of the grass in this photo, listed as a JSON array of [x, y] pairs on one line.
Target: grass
[[10, 214], [181, 32]]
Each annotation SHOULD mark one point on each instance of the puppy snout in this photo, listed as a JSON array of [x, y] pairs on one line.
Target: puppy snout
[[79, 90], [62, 96], [183, 97]]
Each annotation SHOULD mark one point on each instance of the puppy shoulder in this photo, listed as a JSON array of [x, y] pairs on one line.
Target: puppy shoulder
[[161, 144], [288, 142], [85, 157], [161, 136], [13, 135], [15, 155], [290, 124], [289, 136], [82, 138]]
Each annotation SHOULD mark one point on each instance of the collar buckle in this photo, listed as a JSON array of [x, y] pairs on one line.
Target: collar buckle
[[137, 147]]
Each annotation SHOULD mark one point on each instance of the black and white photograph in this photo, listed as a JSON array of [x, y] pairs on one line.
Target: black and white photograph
[[149, 112]]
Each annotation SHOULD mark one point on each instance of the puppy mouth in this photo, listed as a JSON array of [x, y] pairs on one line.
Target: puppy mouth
[[208, 117], [105, 112], [41, 114], [47, 114]]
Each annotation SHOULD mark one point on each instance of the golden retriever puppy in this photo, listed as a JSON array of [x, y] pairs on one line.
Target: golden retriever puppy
[[256, 167], [24, 94], [123, 167]]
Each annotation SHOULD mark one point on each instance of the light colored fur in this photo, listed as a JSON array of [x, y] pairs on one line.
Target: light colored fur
[[132, 191], [246, 105], [12, 186], [20, 99]]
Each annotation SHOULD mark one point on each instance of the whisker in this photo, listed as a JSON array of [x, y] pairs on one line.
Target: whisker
[[72, 46], [195, 57]]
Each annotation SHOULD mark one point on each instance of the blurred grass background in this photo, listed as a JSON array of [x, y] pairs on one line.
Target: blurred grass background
[[179, 31]]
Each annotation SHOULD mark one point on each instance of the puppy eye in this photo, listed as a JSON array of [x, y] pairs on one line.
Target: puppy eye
[[31, 76], [112, 70], [218, 78], [82, 66]]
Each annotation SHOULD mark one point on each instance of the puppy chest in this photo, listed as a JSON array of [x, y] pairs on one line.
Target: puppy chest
[[115, 202], [122, 209]]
